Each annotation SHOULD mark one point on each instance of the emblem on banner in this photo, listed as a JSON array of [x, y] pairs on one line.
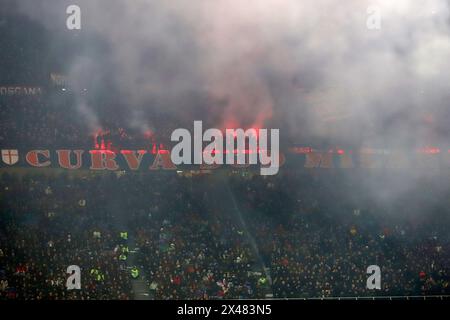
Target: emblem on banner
[[10, 156]]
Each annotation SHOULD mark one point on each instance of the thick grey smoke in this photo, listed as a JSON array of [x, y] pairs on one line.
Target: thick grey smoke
[[310, 67]]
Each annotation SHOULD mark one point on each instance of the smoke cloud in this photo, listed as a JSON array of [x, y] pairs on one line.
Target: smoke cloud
[[312, 68]]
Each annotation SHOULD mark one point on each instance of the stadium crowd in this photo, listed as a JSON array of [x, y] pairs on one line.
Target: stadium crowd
[[52, 120], [325, 234], [187, 243], [301, 233], [49, 224]]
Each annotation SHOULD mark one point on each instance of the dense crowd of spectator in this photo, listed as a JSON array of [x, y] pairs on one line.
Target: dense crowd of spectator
[[48, 225], [321, 233], [65, 119], [291, 236], [189, 247], [36, 121]]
